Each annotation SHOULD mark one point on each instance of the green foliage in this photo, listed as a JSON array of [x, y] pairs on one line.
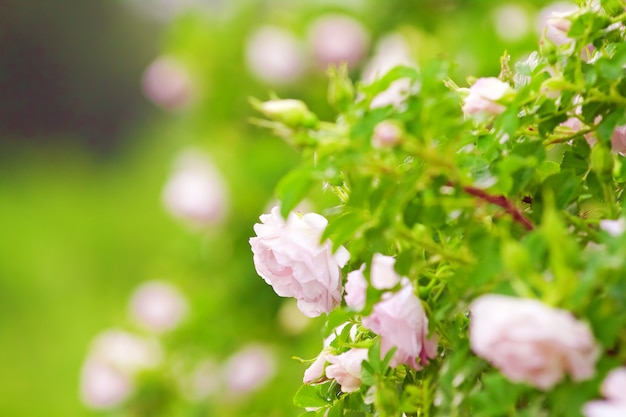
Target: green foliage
[[509, 203]]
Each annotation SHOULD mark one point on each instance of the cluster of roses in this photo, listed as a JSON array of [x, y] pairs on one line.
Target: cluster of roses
[[527, 340]]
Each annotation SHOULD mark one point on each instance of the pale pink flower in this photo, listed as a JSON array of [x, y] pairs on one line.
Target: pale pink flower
[[549, 21], [275, 56], [613, 227], [356, 289], [614, 386], [510, 21], [604, 409], [196, 192], [114, 360], [345, 368], [103, 386], [531, 342], [484, 96], [158, 306], [387, 134], [383, 276], [618, 140], [290, 256], [557, 26], [316, 370], [391, 51], [401, 322], [249, 369], [167, 83], [336, 39]]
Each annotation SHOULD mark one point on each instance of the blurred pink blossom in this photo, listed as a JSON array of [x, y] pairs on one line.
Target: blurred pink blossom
[[613, 227], [167, 83], [614, 391], [531, 342], [484, 95], [550, 20], [249, 369], [288, 255], [103, 386], [345, 368], [614, 386], [114, 359], [600, 408], [336, 39], [356, 289], [383, 276], [401, 322], [387, 134], [391, 51], [158, 306], [196, 192], [275, 56]]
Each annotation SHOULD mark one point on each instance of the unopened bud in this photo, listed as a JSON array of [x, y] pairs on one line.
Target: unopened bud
[[290, 112], [387, 134], [340, 88], [601, 160]]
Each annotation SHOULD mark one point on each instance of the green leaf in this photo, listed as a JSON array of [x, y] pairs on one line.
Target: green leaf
[[310, 396], [292, 188], [344, 228]]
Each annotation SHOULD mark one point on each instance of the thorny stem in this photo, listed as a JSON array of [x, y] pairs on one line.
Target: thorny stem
[[502, 201]]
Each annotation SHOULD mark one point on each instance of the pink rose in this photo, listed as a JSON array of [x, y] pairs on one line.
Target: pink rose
[[618, 140], [557, 26], [196, 192], [158, 306], [484, 96], [336, 39], [275, 56], [531, 342], [167, 83], [614, 386], [401, 322], [346, 369], [288, 255], [356, 289], [383, 276], [387, 134], [249, 369], [604, 409], [614, 390]]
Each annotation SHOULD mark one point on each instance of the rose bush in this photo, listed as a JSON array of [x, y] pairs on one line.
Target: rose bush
[[499, 209]]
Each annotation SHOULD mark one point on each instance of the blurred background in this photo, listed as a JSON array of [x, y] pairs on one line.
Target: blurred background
[[130, 179]]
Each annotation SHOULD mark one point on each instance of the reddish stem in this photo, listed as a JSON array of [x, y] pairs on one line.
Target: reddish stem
[[502, 201]]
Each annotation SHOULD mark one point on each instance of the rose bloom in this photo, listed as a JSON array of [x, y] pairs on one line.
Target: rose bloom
[[346, 369], [114, 359], [484, 95], [288, 255], [158, 306], [275, 56], [356, 289], [531, 342], [336, 39], [196, 192], [391, 51], [401, 322], [614, 385], [387, 134], [167, 83], [604, 409], [249, 369]]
